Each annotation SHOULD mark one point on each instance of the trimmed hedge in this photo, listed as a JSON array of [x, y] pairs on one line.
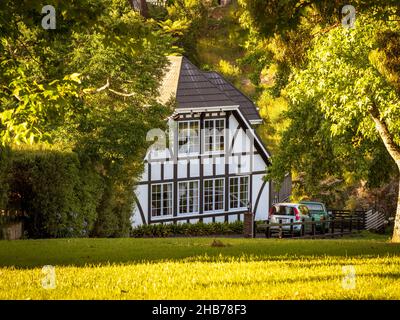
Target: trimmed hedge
[[187, 229], [59, 193], [66, 194], [4, 172]]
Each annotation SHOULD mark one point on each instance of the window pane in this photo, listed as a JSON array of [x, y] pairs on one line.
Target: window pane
[[189, 197], [182, 197], [244, 191], [214, 135], [219, 194], [219, 135], [161, 199], [188, 137], [194, 140], [233, 192], [208, 135], [208, 195], [167, 199], [193, 196]]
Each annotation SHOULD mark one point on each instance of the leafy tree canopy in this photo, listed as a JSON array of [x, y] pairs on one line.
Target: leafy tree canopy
[[90, 83]]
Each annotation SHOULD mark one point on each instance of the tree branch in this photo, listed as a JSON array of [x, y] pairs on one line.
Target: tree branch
[[104, 87], [122, 94], [107, 86]]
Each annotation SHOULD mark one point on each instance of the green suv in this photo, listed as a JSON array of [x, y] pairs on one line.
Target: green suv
[[319, 213]]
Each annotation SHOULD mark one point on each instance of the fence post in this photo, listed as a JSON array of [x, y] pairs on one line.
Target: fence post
[[280, 228], [291, 228], [254, 227], [358, 222], [351, 223], [333, 226], [248, 225], [313, 226], [267, 231], [303, 226], [342, 225]]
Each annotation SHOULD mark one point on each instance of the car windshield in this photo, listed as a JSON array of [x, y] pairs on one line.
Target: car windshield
[[315, 206]]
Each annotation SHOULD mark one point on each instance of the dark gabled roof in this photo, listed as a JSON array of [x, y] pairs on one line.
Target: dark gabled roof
[[195, 90], [246, 106]]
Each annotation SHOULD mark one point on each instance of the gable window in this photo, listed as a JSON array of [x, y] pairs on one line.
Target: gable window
[[161, 199], [188, 137], [213, 195], [188, 195], [214, 135], [238, 192]]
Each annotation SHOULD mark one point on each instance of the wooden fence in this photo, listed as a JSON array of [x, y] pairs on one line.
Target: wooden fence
[[341, 222], [336, 226], [12, 224]]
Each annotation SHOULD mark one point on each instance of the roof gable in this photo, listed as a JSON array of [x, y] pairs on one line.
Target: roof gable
[[194, 88]]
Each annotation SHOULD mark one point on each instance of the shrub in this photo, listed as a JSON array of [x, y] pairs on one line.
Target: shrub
[[187, 229], [4, 170], [59, 194]]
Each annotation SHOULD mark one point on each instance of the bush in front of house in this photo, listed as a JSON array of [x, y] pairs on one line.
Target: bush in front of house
[[188, 229]]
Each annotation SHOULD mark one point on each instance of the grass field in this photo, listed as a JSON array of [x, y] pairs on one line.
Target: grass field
[[190, 268]]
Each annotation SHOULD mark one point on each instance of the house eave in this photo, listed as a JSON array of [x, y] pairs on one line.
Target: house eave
[[205, 109]]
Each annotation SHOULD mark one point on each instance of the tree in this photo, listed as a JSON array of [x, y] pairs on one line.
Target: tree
[[349, 79], [89, 85], [319, 130]]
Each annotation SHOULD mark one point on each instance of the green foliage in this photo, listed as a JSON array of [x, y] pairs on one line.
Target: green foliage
[[185, 19], [90, 85], [66, 84], [188, 229], [231, 72], [4, 169], [59, 193]]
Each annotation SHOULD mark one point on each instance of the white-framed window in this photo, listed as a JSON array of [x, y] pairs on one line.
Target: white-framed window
[[213, 195], [238, 192], [214, 140], [188, 196], [161, 199], [188, 137]]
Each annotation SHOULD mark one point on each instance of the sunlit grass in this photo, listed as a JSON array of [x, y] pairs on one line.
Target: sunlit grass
[[192, 269]]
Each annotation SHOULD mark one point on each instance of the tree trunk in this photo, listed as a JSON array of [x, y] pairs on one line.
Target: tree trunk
[[144, 10], [396, 230], [394, 151], [141, 6]]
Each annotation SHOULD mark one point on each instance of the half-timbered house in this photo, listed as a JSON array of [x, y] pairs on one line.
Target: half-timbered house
[[210, 165]]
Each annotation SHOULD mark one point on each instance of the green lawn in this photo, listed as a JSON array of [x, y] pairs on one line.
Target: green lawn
[[189, 268]]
